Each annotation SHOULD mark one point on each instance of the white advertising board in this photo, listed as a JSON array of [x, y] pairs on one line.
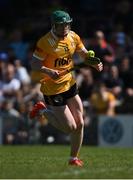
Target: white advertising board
[[115, 131]]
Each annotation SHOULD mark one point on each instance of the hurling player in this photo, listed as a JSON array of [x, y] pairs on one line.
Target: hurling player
[[63, 107]]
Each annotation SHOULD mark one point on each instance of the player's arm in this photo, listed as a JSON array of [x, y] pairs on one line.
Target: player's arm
[[37, 65], [38, 58]]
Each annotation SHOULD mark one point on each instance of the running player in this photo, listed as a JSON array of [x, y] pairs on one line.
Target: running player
[[52, 55]]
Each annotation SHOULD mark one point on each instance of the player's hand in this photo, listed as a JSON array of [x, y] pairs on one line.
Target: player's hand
[[98, 67], [93, 61], [54, 74]]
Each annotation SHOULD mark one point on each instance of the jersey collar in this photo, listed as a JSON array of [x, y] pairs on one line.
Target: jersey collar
[[56, 37]]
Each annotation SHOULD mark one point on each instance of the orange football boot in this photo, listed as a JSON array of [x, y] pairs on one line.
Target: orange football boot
[[37, 107], [76, 162]]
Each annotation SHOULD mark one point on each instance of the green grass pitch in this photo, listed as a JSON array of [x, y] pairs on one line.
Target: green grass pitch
[[50, 162]]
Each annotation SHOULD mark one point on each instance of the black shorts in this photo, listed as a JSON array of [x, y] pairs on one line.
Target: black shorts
[[61, 99]]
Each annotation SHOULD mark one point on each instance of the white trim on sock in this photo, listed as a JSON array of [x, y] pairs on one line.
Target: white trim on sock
[[73, 158]]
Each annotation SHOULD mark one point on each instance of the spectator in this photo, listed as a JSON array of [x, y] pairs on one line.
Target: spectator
[[10, 121], [3, 62], [9, 85], [8, 108], [19, 47], [21, 72], [120, 42], [126, 72], [103, 101], [114, 83], [85, 83], [102, 48]]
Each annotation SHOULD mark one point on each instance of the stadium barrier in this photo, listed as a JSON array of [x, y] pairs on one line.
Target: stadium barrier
[[11, 129], [104, 131]]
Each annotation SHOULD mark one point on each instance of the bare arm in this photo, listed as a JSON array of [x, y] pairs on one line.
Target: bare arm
[[36, 65], [111, 108]]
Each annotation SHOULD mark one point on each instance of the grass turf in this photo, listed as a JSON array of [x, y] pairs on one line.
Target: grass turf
[[50, 162]]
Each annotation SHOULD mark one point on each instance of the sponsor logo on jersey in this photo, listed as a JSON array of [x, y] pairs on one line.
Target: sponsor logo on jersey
[[61, 62]]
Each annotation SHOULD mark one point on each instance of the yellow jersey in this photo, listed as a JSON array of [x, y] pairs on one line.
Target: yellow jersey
[[100, 103], [57, 54]]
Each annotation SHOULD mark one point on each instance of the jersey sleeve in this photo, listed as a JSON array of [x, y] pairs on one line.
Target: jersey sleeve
[[40, 52]]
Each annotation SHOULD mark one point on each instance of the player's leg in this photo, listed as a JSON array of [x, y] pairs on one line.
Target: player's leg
[[72, 126], [55, 115], [76, 108], [64, 118], [52, 119]]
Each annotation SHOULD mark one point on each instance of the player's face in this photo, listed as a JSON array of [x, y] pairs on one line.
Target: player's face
[[61, 30]]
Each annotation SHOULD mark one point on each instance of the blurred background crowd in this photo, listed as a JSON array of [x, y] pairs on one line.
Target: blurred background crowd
[[104, 26]]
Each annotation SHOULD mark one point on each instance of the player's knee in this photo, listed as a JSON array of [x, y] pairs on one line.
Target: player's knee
[[71, 128], [80, 124], [79, 120]]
